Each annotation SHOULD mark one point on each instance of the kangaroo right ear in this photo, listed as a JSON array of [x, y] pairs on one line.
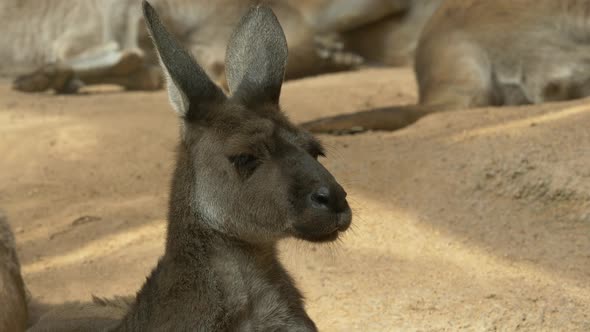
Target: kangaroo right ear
[[189, 87]]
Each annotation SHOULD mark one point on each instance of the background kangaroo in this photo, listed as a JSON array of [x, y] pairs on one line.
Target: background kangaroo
[[97, 42], [104, 41], [245, 178], [13, 315], [490, 53], [393, 38]]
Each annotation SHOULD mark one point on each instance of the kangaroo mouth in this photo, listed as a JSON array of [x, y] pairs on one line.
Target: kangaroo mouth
[[329, 237], [324, 230]]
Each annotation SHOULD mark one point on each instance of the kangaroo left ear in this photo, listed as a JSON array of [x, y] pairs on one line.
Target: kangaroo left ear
[[189, 87], [256, 58]]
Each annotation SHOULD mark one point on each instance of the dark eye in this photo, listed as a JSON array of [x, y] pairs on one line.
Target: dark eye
[[315, 153], [245, 164], [315, 149]]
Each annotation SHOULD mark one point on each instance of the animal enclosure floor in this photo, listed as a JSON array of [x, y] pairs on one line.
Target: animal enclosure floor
[[475, 220]]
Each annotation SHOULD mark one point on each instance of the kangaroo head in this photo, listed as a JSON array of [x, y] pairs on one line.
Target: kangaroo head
[[246, 170]]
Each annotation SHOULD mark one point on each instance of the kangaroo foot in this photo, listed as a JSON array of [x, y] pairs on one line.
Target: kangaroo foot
[[131, 61], [60, 78], [330, 47], [147, 78]]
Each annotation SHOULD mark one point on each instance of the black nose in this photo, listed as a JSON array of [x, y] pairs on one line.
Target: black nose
[[333, 199]]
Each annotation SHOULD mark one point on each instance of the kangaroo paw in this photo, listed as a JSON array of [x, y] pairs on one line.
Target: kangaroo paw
[[71, 86], [147, 78], [330, 47]]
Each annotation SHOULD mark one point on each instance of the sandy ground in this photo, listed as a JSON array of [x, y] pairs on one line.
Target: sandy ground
[[477, 220]]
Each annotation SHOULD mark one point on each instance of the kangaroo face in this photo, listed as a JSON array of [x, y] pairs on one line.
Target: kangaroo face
[[259, 177], [253, 174]]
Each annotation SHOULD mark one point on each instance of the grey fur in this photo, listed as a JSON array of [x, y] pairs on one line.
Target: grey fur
[[220, 270]]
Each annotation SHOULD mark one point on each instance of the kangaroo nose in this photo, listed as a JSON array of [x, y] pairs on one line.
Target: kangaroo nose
[[324, 198], [320, 199]]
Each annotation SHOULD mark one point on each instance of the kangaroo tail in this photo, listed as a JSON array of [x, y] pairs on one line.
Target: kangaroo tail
[[386, 119]]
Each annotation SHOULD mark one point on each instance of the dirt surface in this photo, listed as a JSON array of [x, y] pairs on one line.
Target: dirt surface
[[476, 220]]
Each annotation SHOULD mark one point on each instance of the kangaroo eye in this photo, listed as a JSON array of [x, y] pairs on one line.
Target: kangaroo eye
[[315, 149], [316, 153], [245, 164]]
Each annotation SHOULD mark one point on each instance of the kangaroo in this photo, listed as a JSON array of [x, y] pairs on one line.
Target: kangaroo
[[346, 15], [97, 42], [380, 32], [323, 36], [391, 40], [13, 300], [245, 178], [490, 53], [74, 43]]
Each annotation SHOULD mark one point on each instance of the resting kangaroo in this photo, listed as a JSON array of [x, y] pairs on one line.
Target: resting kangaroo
[[103, 41], [13, 303], [490, 53], [391, 40], [94, 41], [245, 178]]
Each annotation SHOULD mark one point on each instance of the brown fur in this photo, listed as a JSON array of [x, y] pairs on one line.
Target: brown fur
[[13, 303], [393, 39], [491, 53], [245, 178], [346, 15]]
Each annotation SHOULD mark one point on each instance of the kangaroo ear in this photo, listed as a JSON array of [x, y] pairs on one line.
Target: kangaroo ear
[[189, 87], [256, 57]]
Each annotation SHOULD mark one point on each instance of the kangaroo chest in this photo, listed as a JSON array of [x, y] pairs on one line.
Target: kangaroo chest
[[258, 298]]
